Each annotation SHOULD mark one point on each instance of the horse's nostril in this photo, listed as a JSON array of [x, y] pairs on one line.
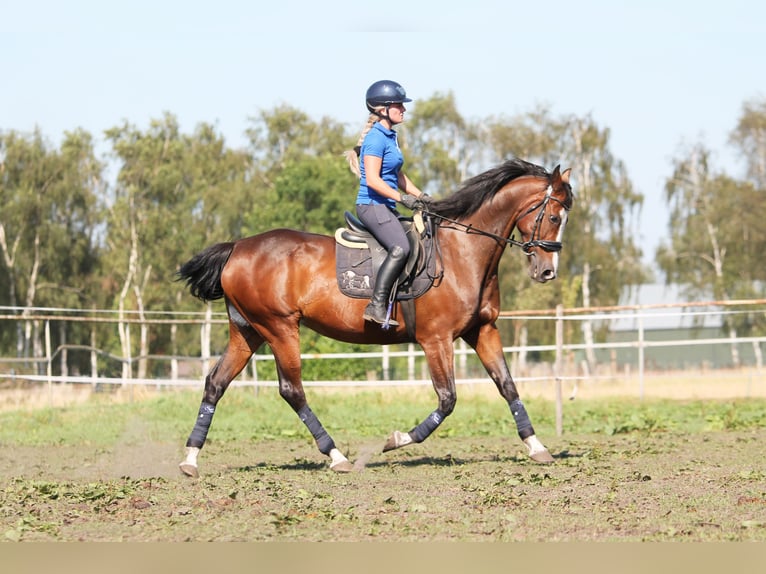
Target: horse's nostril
[[548, 274]]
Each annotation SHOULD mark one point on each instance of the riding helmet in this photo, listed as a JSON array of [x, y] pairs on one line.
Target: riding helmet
[[385, 93]]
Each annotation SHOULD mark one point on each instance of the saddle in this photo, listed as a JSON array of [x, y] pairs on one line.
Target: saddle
[[358, 257]]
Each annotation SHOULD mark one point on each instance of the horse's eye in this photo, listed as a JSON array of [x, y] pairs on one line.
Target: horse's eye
[[555, 219]]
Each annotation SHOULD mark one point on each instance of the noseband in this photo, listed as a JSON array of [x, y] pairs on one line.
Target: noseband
[[550, 246], [526, 246]]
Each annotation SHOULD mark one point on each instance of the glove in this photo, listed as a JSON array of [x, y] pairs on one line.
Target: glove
[[409, 201], [412, 202]]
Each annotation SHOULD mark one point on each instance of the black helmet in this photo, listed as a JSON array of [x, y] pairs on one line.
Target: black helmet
[[385, 93]]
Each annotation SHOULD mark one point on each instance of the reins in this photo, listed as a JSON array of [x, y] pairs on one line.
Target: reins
[[526, 246]]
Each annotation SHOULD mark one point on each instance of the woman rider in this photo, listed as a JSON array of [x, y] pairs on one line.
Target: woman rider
[[381, 178]]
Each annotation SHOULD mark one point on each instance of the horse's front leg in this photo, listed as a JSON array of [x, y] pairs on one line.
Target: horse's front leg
[[440, 362], [485, 340]]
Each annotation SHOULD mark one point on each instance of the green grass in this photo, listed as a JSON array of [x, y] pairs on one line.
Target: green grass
[[243, 415]]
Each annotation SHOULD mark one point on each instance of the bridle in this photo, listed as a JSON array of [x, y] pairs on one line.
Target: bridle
[[545, 245], [526, 246]]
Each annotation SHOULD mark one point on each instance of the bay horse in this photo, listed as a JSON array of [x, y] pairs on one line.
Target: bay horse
[[276, 281]]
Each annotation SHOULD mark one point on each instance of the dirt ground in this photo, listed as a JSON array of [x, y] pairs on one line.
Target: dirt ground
[[701, 487]]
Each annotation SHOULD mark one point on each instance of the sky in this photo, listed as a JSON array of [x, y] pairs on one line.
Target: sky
[[660, 75]]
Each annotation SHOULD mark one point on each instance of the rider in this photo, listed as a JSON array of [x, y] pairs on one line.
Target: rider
[[381, 178]]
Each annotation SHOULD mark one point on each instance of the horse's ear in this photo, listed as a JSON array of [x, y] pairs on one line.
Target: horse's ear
[[558, 176]]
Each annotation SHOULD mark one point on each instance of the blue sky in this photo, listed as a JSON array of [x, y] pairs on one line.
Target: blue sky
[[659, 75]]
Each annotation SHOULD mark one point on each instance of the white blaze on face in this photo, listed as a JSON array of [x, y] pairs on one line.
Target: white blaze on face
[[563, 213]]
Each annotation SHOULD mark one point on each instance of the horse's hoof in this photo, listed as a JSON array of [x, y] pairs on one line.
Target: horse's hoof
[[189, 469], [537, 451], [342, 466], [543, 457], [397, 440]]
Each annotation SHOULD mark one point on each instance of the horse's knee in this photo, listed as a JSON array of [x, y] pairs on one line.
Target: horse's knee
[[399, 252]]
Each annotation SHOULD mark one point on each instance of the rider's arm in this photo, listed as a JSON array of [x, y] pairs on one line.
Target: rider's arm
[[406, 185]]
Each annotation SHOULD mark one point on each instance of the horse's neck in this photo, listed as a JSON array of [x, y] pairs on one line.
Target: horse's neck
[[474, 250], [498, 217]]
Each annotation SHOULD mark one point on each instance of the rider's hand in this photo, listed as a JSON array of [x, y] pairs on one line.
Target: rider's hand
[[409, 201]]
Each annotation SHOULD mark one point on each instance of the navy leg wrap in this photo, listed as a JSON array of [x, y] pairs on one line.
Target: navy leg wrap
[[523, 424], [324, 440], [424, 429], [199, 433]]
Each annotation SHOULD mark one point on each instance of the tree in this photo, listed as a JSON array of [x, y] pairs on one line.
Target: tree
[[300, 178], [750, 137], [696, 253], [535, 136], [716, 233], [600, 254], [607, 212], [285, 133], [309, 194], [174, 194], [48, 223], [442, 147]]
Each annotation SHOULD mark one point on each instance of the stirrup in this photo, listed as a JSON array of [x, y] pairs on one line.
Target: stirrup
[[385, 322]]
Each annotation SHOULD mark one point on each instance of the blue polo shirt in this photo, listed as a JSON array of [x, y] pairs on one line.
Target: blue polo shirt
[[380, 142]]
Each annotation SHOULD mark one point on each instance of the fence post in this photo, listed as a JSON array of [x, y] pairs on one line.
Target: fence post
[[462, 359], [557, 366], [49, 361], [205, 330], [127, 372], [93, 356], [174, 347], [254, 365], [64, 350], [641, 355]]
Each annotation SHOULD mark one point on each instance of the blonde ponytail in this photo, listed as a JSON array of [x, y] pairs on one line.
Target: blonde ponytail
[[352, 155]]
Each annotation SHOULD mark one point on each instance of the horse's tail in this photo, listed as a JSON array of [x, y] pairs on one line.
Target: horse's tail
[[202, 272]]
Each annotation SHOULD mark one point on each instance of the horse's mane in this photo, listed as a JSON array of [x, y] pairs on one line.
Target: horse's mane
[[475, 191]]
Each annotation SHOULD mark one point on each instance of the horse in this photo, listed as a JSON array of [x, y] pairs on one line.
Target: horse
[[276, 281]]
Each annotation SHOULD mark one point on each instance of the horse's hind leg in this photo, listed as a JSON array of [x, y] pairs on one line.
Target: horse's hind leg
[[243, 342], [285, 346], [486, 342]]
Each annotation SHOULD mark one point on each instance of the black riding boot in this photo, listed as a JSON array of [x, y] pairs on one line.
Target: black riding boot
[[387, 274]]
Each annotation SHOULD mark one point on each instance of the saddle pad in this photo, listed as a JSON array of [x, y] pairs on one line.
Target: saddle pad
[[356, 273]]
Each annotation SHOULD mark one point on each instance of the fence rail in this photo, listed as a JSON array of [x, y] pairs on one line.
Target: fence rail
[[625, 329]]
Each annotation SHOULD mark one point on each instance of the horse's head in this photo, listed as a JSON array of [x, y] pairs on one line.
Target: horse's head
[[542, 226], [515, 195]]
